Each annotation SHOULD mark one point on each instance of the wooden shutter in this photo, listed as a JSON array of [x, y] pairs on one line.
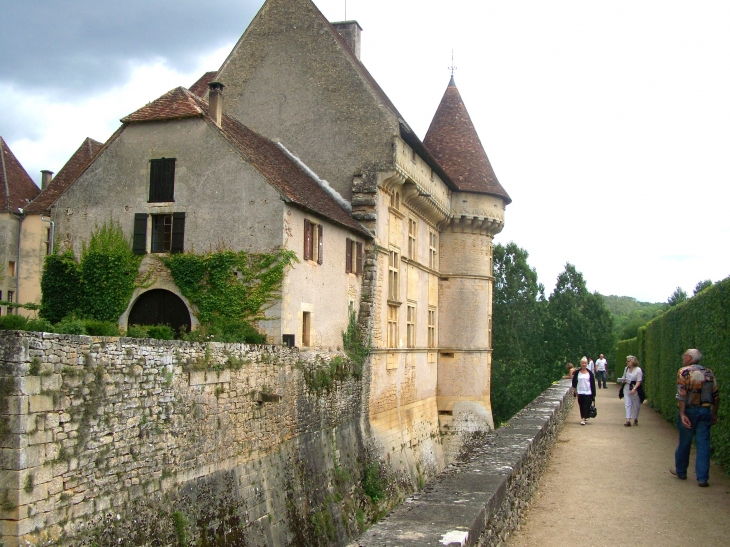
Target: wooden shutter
[[359, 258], [348, 255], [319, 251], [308, 243], [139, 241], [162, 180], [178, 233]]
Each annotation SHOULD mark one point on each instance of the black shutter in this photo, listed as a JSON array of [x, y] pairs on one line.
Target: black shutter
[[178, 233], [308, 243], [359, 258], [139, 242], [162, 180], [319, 251], [348, 255]]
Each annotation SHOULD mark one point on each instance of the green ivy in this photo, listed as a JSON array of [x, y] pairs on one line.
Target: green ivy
[[357, 345], [60, 286], [229, 286]]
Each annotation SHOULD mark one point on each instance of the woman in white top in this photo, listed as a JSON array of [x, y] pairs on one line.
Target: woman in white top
[[584, 387], [632, 378]]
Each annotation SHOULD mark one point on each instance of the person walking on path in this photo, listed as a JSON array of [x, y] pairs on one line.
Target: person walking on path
[[632, 378], [584, 387], [601, 366], [591, 366], [698, 401]]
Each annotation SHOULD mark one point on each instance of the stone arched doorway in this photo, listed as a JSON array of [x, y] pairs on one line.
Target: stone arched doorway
[[160, 307]]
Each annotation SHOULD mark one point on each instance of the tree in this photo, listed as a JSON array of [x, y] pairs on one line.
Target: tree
[[701, 286], [677, 297]]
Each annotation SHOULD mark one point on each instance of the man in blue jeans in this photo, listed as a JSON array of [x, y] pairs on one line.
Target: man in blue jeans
[[698, 401]]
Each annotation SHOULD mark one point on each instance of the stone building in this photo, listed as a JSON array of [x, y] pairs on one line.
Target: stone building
[[17, 189]]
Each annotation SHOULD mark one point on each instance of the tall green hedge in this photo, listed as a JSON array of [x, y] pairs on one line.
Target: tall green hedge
[[702, 322]]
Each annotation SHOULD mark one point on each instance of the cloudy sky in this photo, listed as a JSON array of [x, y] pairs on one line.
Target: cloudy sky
[[608, 122]]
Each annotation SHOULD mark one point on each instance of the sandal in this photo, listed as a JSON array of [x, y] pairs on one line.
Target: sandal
[[636, 422], [628, 423]]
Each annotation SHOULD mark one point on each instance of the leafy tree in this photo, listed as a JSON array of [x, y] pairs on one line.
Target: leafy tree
[[677, 297], [520, 370], [702, 285]]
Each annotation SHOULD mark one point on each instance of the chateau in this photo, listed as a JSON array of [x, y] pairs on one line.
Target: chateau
[[292, 144]]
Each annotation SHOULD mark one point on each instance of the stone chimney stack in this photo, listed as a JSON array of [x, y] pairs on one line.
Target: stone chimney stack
[[46, 178], [215, 102], [350, 31]]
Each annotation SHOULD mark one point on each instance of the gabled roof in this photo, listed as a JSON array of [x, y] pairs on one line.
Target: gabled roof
[[265, 156], [200, 88], [175, 104], [16, 186], [68, 173], [453, 141]]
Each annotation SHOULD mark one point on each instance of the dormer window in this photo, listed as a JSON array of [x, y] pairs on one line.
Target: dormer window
[[162, 180]]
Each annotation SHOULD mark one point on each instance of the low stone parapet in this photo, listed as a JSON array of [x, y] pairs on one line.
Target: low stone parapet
[[479, 500]]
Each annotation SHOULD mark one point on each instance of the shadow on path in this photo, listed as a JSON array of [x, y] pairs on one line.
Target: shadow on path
[[609, 485]]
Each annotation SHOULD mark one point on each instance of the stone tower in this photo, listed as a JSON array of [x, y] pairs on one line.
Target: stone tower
[[466, 280]]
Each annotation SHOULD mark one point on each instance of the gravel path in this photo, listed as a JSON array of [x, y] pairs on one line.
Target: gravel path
[[609, 485]]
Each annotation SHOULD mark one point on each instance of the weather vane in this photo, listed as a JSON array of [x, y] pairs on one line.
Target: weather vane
[[345, 10], [452, 68]]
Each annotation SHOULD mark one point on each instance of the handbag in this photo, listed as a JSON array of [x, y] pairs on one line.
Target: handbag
[[593, 411], [621, 387]]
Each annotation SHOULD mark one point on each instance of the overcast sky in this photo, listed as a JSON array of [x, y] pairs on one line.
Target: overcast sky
[[607, 122]]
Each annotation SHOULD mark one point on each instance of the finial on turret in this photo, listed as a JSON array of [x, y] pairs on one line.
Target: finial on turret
[[452, 68]]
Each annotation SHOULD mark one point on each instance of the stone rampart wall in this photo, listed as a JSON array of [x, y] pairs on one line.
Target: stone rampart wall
[[479, 500], [113, 441]]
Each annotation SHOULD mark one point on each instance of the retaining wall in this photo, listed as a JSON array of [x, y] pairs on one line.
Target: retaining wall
[[479, 500]]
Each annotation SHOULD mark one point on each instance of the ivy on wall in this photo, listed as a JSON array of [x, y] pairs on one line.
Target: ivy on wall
[[229, 286], [99, 286]]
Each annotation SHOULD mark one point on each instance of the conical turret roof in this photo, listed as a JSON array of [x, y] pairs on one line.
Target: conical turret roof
[[454, 142]]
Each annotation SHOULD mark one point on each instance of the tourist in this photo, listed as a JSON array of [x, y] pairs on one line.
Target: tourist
[[591, 366], [632, 378], [698, 401], [584, 387], [571, 369], [601, 369]]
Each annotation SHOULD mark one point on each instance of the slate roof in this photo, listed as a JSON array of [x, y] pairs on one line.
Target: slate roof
[[453, 141], [200, 88], [16, 186], [63, 179], [279, 169]]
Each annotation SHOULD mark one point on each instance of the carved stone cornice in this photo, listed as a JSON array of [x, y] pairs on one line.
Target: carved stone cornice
[[473, 225]]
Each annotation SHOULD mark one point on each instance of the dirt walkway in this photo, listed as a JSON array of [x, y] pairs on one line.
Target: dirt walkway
[[609, 485]]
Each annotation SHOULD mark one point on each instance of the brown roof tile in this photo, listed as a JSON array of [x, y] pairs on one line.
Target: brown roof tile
[[16, 186], [280, 170], [175, 104], [200, 88], [68, 173], [454, 142]]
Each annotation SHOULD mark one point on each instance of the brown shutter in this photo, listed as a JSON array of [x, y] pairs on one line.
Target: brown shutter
[[359, 258], [319, 251], [307, 239], [178, 233], [139, 241], [348, 255]]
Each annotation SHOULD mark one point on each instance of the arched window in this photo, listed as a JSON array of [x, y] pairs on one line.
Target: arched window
[[160, 307]]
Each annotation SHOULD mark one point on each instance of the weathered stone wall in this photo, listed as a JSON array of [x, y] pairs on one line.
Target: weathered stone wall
[[114, 441], [479, 500]]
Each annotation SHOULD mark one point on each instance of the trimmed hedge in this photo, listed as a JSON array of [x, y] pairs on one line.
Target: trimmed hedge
[[702, 322]]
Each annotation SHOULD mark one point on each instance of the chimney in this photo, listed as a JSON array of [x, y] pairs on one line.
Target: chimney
[[215, 101], [350, 31], [46, 178]]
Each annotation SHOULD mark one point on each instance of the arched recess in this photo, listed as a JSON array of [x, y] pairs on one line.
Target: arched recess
[[160, 307]]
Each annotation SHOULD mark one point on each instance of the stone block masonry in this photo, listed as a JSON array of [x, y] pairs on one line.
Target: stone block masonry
[[118, 441], [479, 500]]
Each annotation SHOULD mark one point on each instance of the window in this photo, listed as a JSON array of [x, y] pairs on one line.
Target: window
[[11, 269], [306, 328], [313, 243], [411, 326], [48, 241], [288, 340], [353, 256], [395, 200], [162, 180], [431, 328], [432, 250], [11, 298], [393, 264], [392, 326], [412, 229], [168, 233], [413, 155]]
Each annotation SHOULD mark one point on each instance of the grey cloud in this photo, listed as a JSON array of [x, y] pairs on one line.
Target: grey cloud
[[82, 46]]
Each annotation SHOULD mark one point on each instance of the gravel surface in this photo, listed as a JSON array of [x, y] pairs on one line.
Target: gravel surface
[[609, 485]]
